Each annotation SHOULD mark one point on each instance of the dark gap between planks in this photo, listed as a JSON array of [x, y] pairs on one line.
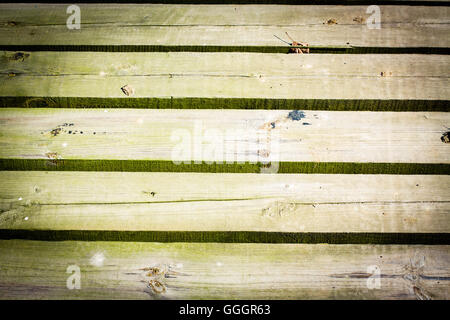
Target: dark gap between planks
[[209, 48], [226, 103], [229, 236], [169, 166]]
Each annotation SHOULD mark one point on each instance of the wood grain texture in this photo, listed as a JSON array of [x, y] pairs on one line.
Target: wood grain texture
[[224, 135], [224, 202], [225, 75], [181, 217], [37, 270], [189, 64], [243, 25]]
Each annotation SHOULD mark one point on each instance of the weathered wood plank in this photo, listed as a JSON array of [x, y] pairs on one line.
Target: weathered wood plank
[[167, 86], [224, 135], [37, 270], [228, 25], [225, 75], [224, 202], [229, 64], [211, 15]]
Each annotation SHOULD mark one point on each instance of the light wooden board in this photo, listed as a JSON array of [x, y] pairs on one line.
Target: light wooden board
[[226, 64], [37, 270], [225, 75], [224, 202], [224, 135], [228, 25]]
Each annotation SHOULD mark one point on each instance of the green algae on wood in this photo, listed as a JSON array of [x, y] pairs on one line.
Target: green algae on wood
[[255, 49], [169, 166], [405, 105], [229, 237]]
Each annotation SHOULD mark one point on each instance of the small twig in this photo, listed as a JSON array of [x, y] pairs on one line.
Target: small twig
[[282, 40], [289, 36]]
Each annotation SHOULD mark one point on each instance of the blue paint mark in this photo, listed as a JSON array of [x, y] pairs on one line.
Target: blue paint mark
[[296, 115], [306, 123]]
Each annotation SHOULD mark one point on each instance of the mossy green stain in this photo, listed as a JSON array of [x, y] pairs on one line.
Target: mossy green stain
[[227, 103], [228, 236], [169, 166], [209, 48]]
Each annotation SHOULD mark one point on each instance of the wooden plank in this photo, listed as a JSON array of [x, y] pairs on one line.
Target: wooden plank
[[37, 270], [224, 202], [227, 25], [224, 135], [226, 64], [225, 75], [333, 87], [210, 15]]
